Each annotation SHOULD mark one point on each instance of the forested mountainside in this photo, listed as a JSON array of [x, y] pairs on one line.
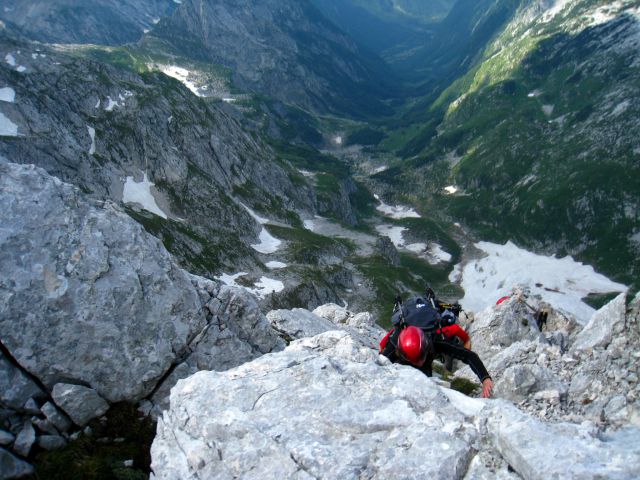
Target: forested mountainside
[[537, 136]]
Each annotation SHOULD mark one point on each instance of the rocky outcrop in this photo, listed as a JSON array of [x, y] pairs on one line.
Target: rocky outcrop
[[87, 295], [105, 22], [564, 371], [349, 413], [236, 332], [95, 311], [301, 323], [109, 126]]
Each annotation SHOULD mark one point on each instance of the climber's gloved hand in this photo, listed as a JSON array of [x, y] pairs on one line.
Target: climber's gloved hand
[[487, 388]]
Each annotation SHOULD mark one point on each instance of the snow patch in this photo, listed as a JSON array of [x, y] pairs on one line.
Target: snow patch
[[397, 211], [111, 104], [225, 99], [548, 110], [393, 232], [255, 216], [561, 282], [535, 93], [309, 225], [437, 254], [266, 286], [451, 189], [97, 104], [268, 243], [7, 94], [337, 140], [182, 75], [11, 60], [92, 134], [275, 265], [140, 193], [556, 8], [7, 127], [620, 108], [306, 173], [263, 287], [416, 247], [432, 252]]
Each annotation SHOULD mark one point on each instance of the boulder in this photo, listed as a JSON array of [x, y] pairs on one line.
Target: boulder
[[314, 410], [329, 407], [299, 323], [604, 324], [25, 439], [519, 381], [87, 295], [55, 417], [80, 403], [51, 442], [578, 451], [237, 332], [12, 467], [16, 388], [6, 438]]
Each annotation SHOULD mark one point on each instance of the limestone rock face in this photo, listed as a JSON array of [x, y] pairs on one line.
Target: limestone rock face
[[605, 324], [236, 332], [85, 293], [313, 411], [299, 323], [564, 371], [329, 407]]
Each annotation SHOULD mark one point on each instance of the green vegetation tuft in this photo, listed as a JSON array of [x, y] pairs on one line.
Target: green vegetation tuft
[[126, 435]]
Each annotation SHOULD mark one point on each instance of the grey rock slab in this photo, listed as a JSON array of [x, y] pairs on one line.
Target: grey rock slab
[[519, 381], [334, 313], [12, 467], [86, 294], [578, 452], [299, 323], [6, 438], [25, 439], [602, 327], [79, 402], [314, 410], [51, 442], [16, 388], [58, 419], [237, 333]]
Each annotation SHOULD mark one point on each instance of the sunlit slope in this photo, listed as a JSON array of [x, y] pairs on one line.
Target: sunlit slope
[[541, 135]]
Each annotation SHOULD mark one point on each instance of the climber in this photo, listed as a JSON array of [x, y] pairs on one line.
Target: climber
[[418, 336], [411, 346]]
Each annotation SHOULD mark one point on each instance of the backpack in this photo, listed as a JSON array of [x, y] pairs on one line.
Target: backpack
[[419, 312]]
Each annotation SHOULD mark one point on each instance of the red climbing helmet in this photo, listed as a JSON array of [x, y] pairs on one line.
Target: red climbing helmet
[[412, 345]]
